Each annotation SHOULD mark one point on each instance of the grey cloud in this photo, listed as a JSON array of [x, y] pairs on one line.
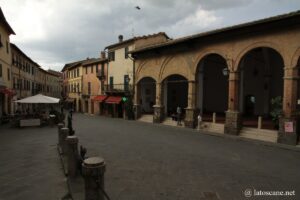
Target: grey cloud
[[76, 29]]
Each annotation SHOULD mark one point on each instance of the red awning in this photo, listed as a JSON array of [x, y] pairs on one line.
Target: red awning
[[100, 98], [7, 91], [113, 99]]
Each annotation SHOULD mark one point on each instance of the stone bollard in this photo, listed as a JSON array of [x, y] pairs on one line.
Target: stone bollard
[[259, 122], [72, 155], [93, 172], [59, 127], [214, 117], [64, 132]]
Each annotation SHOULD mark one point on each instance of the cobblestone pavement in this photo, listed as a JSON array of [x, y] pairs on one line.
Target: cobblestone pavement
[[147, 161], [29, 164]]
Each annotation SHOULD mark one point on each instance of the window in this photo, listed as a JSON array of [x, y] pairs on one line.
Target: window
[[32, 70], [111, 82], [0, 70], [111, 56], [126, 82], [77, 72], [7, 47], [86, 70], [89, 87], [126, 52], [19, 85], [92, 69], [8, 74], [97, 66], [14, 83]]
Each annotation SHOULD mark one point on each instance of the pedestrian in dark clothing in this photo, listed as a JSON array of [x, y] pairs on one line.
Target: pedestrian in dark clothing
[[178, 111]]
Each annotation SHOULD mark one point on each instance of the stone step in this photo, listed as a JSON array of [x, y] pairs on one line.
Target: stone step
[[245, 129], [212, 127], [263, 132], [260, 137], [146, 118], [259, 134], [168, 121]]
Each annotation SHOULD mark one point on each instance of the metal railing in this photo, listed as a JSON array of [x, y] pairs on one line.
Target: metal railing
[[118, 88]]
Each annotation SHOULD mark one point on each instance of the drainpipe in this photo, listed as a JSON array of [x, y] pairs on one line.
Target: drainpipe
[[133, 74]]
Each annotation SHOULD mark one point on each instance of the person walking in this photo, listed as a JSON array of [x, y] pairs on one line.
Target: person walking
[[178, 110]]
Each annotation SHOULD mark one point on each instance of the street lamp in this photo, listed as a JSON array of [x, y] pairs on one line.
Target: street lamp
[[225, 71]]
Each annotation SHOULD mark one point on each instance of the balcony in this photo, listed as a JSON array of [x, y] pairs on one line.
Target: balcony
[[118, 88]]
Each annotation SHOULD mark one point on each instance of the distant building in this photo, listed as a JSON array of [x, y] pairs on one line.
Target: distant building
[[94, 78], [72, 84], [6, 92], [29, 78], [53, 83], [121, 68]]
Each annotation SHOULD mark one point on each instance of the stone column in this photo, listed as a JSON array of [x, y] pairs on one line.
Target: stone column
[[137, 111], [289, 117], [191, 113], [72, 155], [114, 114], [59, 127], [93, 172], [158, 116], [233, 122], [62, 137], [136, 102]]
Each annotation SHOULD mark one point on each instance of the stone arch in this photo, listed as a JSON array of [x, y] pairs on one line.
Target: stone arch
[[145, 70], [139, 78], [146, 94], [261, 72], [205, 53], [255, 45], [295, 59], [175, 65], [211, 84], [174, 92]]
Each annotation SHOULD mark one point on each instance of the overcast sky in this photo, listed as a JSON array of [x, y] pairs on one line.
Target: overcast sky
[[55, 32]]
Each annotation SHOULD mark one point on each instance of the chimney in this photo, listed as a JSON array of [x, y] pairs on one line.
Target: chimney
[[120, 38], [102, 54]]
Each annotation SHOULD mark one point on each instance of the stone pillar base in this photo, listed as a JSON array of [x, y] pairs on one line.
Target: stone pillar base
[[72, 155], [233, 123], [286, 136], [137, 109], [158, 116], [191, 115]]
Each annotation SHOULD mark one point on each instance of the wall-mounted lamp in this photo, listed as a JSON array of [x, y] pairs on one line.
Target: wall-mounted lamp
[[225, 71]]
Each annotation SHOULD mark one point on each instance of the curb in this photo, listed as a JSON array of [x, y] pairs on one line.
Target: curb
[[69, 195], [233, 137]]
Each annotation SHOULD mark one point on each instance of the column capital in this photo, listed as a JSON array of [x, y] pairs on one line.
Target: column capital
[[191, 81]]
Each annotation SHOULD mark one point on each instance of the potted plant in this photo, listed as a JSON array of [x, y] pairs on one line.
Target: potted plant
[[276, 110]]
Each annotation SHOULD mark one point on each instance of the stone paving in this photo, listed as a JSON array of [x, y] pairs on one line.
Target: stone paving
[[29, 164], [148, 161]]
